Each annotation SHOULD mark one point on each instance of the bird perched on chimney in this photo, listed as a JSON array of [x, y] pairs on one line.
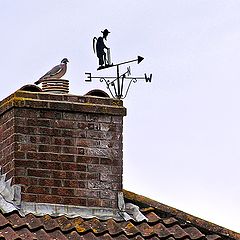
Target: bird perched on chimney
[[56, 72]]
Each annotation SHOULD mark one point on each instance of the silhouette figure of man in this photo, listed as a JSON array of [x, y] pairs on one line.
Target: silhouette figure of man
[[100, 46]]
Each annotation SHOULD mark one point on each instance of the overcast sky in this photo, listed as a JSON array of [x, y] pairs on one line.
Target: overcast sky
[[182, 131]]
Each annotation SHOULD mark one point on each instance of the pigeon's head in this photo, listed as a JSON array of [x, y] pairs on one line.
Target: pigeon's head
[[65, 60]]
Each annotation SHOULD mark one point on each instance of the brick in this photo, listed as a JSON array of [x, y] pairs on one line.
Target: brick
[[27, 147], [50, 131], [37, 190], [86, 126], [88, 143], [20, 171], [26, 197], [69, 150], [71, 183], [92, 117], [50, 114], [30, 155], [105, 194], [65, 124], [6, 158], [80, 151], [107, 127], [40, 173], [66, 158], [74, 167], [76, 175], [55, 97], [43, 139], [8, 141], [86, 159], [26, 130], [75, 201], [26, 163], [49, 165], [93, 176], [117, 119], [104, 118], [110, 177], [7, 133], [61, 174], [49, 148], [79, 134], [87, 193], [106, 161], [63, 191], [43, 198], [9, 174], [100, 135], [32, 139], [47, 156], [20, 121], [74, 116], [116, 186], [93, 202], [108, 203], [68, 141], [20, 180], [93, 184], [20, 138], [99, 168], [43, 122], [100, 152], [26, 112], [57, 141], [8, 150], [7, 167], [117, 170], [66, 133], [50, 182], [32, 181]]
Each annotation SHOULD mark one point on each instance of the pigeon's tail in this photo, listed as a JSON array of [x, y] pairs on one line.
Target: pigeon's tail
[[38, 81]]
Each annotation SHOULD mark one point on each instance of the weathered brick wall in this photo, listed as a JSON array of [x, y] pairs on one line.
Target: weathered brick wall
[[7, 139], [63, 149]]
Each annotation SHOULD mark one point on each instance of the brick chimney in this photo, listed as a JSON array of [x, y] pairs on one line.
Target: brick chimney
[[61, 154]]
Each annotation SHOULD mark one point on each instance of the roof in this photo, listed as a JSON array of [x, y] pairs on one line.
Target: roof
[[163, 222]]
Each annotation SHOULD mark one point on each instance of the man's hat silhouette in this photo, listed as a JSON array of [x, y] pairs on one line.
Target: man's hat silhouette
[[105, 31]]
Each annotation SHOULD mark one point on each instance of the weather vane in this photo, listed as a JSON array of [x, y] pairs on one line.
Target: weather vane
[[116, 85]]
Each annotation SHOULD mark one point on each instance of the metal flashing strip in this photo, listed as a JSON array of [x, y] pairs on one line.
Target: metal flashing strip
[[10, 195], [40, 209]]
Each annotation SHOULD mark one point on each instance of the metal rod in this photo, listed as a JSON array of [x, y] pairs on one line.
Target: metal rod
[[119, 76], [122, 84], [113, 84], [118, 83]]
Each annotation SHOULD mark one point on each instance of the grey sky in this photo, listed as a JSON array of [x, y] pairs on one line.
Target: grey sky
[[182, 131]]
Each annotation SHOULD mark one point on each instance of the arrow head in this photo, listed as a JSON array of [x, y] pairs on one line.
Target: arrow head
[[139, 59]]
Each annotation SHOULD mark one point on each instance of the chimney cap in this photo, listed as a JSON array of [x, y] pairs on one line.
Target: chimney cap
[[31, 88], [97, 93]]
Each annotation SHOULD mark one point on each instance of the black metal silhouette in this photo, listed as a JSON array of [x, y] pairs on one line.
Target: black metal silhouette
[[100, 47], [116, 85]]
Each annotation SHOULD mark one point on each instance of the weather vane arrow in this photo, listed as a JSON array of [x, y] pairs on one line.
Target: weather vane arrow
[[138, 60], [116, 84]]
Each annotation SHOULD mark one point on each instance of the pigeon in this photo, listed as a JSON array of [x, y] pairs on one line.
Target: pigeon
[[56, 72]]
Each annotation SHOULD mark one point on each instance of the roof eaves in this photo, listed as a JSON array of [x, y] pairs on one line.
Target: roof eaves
[[200, 223]]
